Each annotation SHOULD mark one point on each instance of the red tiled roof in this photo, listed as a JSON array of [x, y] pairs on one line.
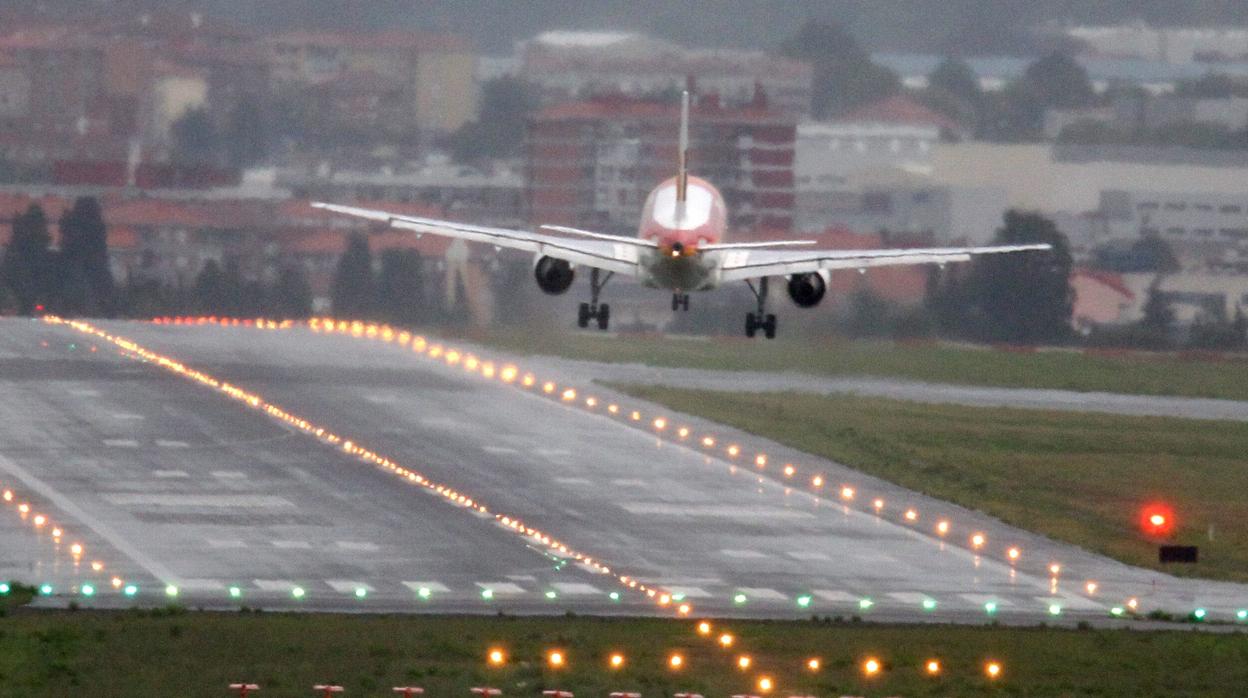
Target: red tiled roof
[[899, 109], [1108, 278], [420, 41], [121, 237], [333, 242], [620, 107], [156, 212]]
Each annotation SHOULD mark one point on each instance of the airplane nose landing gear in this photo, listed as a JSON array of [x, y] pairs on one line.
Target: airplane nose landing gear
[[762, 320], [592, 310]]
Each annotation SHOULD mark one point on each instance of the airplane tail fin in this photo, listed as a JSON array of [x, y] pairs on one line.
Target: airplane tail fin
[[682, 157]]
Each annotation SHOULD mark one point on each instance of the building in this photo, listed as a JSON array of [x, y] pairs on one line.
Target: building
[[14, 91], [1203, 228], [435, 72], [1101, 298], [1178, 45], [456, 191], [570, 65], [591, 164]]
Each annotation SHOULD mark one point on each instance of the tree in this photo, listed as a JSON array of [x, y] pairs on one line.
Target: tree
[[844, 76], [498, 132], [1059, 81], [953, 90], [293, 296], [1026, 296], [27, 265], [354, 292], [247, 133], [87, 281], [210, 289], [400, 297], [1158, 315], [195, 138]]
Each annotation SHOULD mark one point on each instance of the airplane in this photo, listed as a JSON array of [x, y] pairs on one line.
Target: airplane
[[680, 247]]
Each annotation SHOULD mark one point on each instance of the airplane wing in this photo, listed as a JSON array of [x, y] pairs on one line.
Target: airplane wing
[[742, 264], [607, 252]]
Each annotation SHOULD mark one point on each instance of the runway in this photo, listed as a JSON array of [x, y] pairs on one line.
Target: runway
[[173, 485]]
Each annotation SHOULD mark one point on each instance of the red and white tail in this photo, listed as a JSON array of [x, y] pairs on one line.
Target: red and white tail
[[682, 158]]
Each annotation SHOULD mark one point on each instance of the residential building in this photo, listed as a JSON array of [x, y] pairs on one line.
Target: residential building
[[591, 164], [1101, 298], [436, 72], [456, 191], [570, 65]]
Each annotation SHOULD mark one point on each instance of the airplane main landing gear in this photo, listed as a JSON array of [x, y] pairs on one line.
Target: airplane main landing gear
[[592, 310], [762, 320], [680, 301]]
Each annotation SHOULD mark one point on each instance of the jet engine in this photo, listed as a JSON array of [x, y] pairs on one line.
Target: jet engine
[[554, 276], [807, 290]]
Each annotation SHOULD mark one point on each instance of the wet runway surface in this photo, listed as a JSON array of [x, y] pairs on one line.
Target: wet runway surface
[[168, 483]]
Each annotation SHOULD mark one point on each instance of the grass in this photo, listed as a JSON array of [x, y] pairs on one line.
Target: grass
[[1081, 478], [173, 653], [1162, 374]]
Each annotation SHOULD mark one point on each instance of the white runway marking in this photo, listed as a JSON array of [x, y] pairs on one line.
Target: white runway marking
[[576, 588], [689, 592], [361, 547], [501, 587], [911, 597], [573, 481], [762, 593], [201, 585], [128, 417], [84, 392], [807, 556], [381, 399], [346, 586], [1071, 601], [981, 599], [743, 554], [67, 505], [553, 452], [274, 584], [226, 544], [166, 443], [239, 501], [165, 474], [121, 443], [719, 511], [437, 587], [522, 578], [630, 483], [836, 596], [292, 544], [229, 475]]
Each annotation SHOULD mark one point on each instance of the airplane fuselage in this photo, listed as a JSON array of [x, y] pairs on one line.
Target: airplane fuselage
[[680, 230]]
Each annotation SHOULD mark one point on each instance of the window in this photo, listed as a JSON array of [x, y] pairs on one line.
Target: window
[[1230, 209], [1174, 231], [1176, 206], [1146, 206], [1203, 207], [1203, 232], [1234, 233]]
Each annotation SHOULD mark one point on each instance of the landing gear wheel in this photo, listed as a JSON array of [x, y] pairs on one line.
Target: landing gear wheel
[[769, 327], [582, 316], [604, 316], [751, 325]]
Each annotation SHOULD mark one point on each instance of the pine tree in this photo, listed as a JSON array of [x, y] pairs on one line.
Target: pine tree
[[88, 286], [354, 292], [1026, 296], [400, 291], [27, 265]]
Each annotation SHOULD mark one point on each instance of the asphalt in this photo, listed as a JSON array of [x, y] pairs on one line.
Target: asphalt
[[169, 483]]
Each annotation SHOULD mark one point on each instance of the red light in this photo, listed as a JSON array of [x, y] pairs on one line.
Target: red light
[[1157, 520]]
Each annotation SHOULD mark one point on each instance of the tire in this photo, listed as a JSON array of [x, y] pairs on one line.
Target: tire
[[675, 302], [604, 316], [750, 325], [684, 302], [582, 316], [769, 327]]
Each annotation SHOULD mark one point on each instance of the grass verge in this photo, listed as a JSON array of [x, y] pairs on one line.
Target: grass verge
[[1080, 478], [197, 654], [1162, 374]]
